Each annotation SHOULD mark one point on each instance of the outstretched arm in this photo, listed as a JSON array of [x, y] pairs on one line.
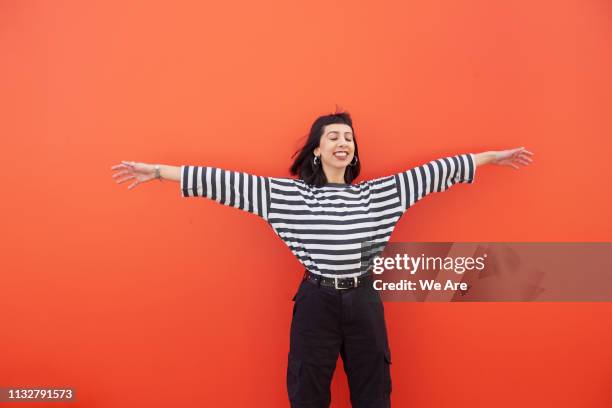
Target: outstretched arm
[[433, 177], [240, 190], [441, 174], [512, 157], [142, 172]]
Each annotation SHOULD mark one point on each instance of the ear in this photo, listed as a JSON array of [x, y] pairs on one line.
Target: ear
[[317, 151]]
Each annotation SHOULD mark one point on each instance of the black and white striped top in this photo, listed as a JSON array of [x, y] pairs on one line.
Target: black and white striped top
[[328, 227]]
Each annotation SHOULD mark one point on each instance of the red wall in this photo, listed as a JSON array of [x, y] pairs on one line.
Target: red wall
[[142, 298]]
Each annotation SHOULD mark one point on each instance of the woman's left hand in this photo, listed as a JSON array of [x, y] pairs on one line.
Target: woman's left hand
[[512, 157]]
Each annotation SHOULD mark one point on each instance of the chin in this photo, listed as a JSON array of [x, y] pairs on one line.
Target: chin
[[341, 167]]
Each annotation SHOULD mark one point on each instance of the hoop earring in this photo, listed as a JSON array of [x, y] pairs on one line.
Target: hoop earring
[[316, 161], [356, 160]]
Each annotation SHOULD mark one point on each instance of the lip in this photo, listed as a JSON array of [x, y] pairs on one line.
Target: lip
[[346, 155]]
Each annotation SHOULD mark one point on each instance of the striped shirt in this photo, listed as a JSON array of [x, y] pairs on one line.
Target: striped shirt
[[337, 229]]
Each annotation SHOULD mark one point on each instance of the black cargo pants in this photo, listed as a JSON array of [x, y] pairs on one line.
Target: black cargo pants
[[351, 322]]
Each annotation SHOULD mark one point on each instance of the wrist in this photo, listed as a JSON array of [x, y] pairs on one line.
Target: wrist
[[157, 172]]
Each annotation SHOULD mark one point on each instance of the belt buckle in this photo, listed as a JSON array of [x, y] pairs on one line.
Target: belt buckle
[[338, 288], [336, 284]]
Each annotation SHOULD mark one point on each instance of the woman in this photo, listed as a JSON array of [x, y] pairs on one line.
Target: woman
[[335, 228]]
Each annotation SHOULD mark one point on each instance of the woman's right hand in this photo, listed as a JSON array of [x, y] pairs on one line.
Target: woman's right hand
[[132, 170]]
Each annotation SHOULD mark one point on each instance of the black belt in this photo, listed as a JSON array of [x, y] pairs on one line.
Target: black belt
[[336, 283]]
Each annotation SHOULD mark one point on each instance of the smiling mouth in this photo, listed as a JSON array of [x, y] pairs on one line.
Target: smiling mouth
[[341, 155]]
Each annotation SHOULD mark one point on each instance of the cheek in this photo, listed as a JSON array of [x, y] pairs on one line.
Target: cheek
[[327, 148]]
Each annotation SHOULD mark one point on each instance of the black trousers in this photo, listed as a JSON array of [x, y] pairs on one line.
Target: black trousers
[[327, 322]]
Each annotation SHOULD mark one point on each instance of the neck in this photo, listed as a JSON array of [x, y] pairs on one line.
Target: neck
[[334, 174]]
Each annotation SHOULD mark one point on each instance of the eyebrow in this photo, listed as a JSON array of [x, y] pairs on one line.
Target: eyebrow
[[335, 131]]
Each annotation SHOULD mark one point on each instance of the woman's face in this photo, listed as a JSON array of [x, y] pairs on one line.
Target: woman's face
[[336, 147]]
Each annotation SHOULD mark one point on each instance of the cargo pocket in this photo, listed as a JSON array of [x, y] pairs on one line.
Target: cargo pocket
[[294, 368], [304, 289], [387, 374]]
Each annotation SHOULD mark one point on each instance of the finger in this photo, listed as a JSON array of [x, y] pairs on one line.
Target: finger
[[514, 165], [528, 152], [118, 166], [120, 173], [125, 179], [134, 184]]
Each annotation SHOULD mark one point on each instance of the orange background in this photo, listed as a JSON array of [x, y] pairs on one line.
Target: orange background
[[142, 298]]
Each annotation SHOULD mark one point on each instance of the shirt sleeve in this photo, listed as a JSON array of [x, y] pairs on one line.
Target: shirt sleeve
[[240, 190], [435, 176]]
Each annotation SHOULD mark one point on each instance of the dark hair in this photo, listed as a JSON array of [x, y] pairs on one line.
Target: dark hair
[[303, 166]]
